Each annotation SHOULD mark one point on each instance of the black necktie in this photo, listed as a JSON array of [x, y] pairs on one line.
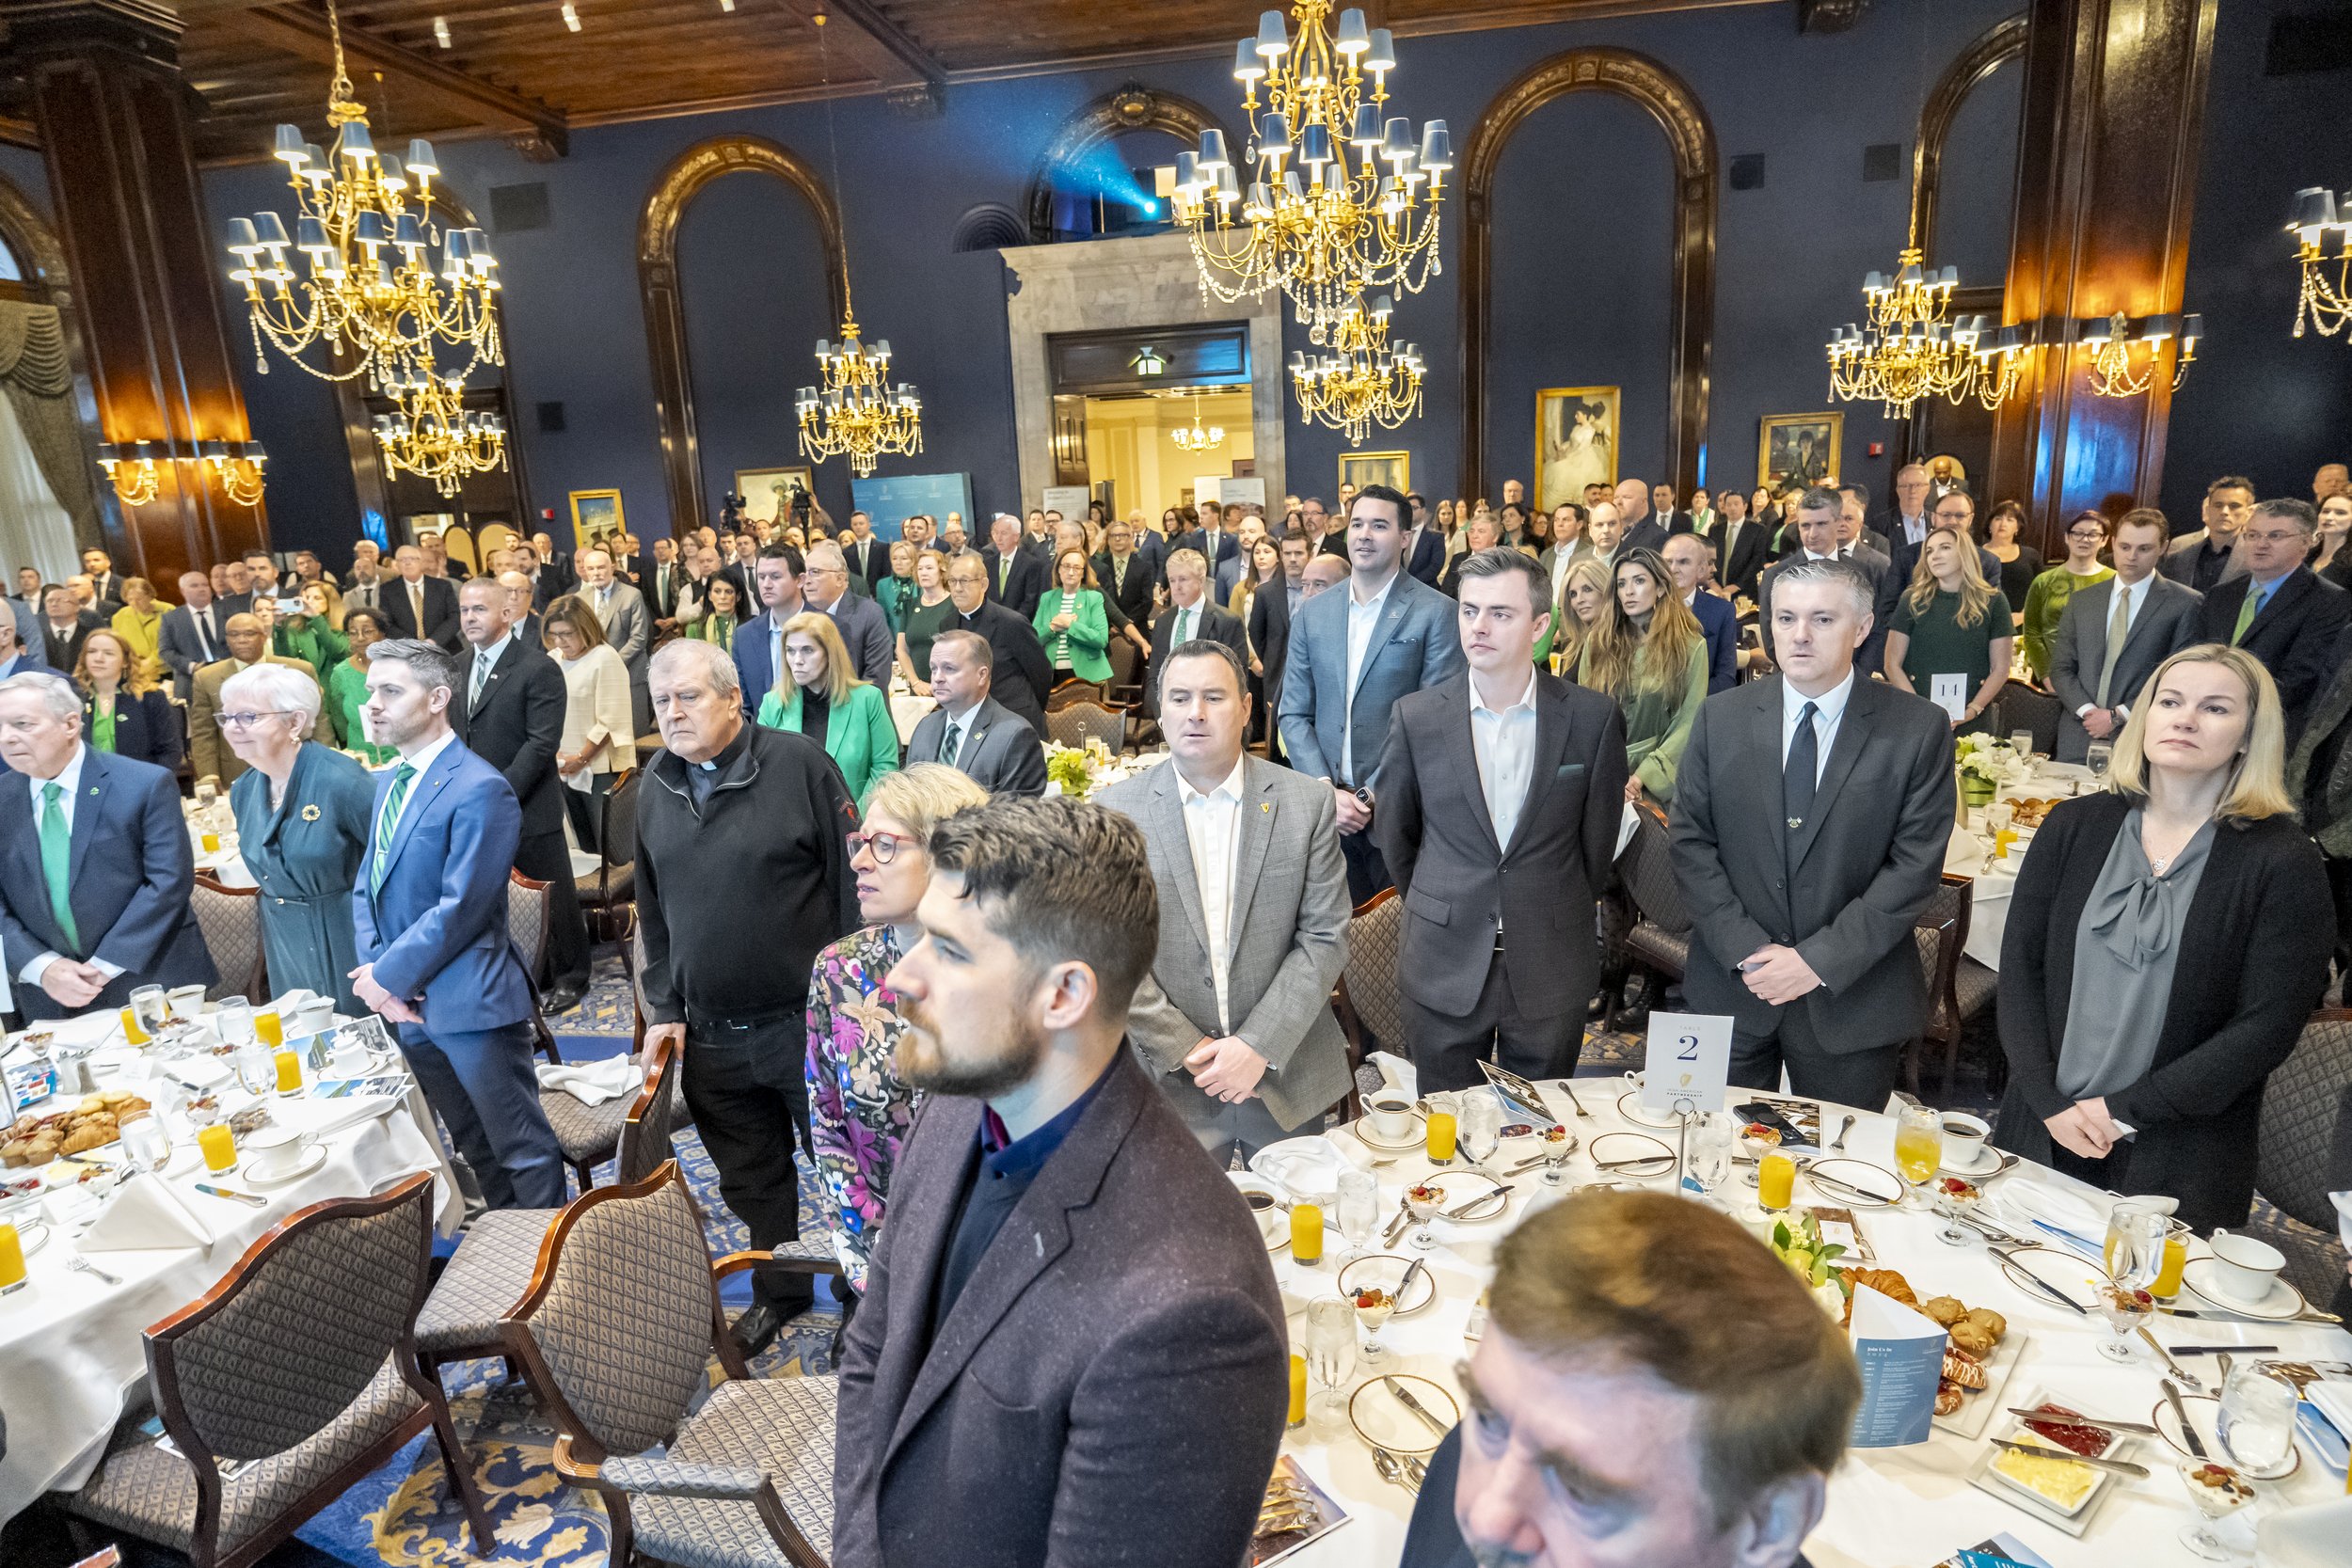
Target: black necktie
[[204, 632], [1797, 773]]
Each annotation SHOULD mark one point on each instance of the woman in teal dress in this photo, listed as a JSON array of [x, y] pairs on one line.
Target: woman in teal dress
[[303, 814], [1072, 624], [822, 699], [897, 591], [347, 688], [311, 636]]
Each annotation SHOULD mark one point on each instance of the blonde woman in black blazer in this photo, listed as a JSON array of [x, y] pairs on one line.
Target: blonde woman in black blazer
[[2197, 777]]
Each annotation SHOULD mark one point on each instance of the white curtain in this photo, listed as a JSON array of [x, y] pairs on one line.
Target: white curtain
[[34, 530]]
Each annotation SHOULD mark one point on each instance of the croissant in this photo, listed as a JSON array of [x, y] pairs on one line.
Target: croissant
[[1886, 1282]]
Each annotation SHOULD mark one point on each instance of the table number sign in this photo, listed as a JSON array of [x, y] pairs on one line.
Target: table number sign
[[1951, 693], [1689, 1062], [1901, 1355]]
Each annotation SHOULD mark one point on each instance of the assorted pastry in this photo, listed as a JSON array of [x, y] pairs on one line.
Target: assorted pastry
[[93, 1123]]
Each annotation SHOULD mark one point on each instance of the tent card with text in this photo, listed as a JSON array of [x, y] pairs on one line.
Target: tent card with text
[[1689, 1062], [1901, 1355]]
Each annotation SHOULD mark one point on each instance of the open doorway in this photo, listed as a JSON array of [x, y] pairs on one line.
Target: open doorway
[[1131, 444]]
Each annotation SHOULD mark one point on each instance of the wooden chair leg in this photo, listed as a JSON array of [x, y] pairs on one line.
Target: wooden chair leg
[[1951, 1065], [461, 1479]]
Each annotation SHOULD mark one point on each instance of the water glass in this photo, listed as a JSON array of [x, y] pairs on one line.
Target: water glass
[[1480, 1130], [1328, 1343], [234, 1018], [257, 1069], [2097, 757], [2021, 741], [2257, 1420], [146, 1143], [1359, 1210], [2135, 1258], [151, 1008], [1711, 1137]]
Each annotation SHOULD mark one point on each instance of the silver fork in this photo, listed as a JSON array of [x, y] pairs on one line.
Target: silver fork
[[80, 1265]]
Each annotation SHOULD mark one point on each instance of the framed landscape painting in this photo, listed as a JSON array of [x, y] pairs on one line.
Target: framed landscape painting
[[1392, 469], [595, 516], [768, 492], [1576, 442], [1799, 449]]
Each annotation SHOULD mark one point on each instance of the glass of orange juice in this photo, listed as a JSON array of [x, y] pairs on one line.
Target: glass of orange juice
[[1299, 1391], [270, 1027], [11, 1260], [131, 1030], [2167, 1283], [1307, 1233], [1776, 1180], [1441, 1144], [219, 1146], [289, 1073]]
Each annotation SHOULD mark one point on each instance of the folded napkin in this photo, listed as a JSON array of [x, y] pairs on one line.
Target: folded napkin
[[145, 1213], [2312, 1536], [1398, 1073], [1306, 1168], [2036, 1203], [203, 1072], [1963, 853], [592, 1083]]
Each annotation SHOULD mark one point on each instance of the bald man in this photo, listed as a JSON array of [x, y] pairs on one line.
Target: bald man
[[1643, 532]]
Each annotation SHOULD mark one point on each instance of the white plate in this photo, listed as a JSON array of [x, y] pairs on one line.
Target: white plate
[[1621, 1150], [1386, 1270], [2204, 1413], [1463, 1187], [1371, 1139], [2283, 1302], [1875, 1180], [1380, 1419], [300, 1168], [2073, 1521], [2063, 1271]]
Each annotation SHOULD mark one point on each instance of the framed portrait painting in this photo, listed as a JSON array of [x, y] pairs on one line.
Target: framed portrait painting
[[1576, 442], [596, 517], [1799, 449], [768, 492], [1392, 469]]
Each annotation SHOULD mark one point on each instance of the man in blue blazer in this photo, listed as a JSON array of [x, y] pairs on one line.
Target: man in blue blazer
[[430, 912], [1689, 556], [1351, 656], [95, 866], [759, 642]]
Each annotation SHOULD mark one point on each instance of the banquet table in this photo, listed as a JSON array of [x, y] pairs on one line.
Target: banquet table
[[1887, 1507], [1996, 881], [71, 1357]]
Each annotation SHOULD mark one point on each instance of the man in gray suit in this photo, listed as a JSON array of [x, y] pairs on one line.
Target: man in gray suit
[[989, 742], [864, 630], [621, 611], [1351, 656], [2098, 674], [2205, 558], [1804, 879], [1236, 1017], [1503, 768]]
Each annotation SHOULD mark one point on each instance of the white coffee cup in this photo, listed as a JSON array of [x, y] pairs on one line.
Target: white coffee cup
[[1963, 1139], [1391, 1115], [274, 1150], [2249, 1268]]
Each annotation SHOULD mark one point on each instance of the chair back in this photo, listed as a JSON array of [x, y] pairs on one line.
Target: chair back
[[527, 921], [617, 1325], [2306, 1098], [618, 827], [1941, 930], [281, 1347], [1074, 691], [1646, 868], [1367, 995], [645, 1132], [2023, 708], [1076, 724], [229, 918]]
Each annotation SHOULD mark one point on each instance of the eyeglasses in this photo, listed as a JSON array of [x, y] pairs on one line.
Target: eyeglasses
[[882, 847], [2273, 536], [247, 721]]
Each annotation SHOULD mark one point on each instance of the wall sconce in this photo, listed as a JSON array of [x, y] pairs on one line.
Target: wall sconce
[[237, 467], [132, 467], [2325, 303], [2116, 371]]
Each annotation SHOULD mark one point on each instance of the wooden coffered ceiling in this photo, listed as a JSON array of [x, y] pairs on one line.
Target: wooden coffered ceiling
[[514, 68]]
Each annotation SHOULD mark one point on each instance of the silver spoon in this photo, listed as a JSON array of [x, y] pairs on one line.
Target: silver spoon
[[1392, 1470]]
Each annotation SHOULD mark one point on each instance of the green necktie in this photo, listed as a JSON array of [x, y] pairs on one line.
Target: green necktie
[[948, 752], [1003, 574], [57, 860], [2246, 615], [401, 777]]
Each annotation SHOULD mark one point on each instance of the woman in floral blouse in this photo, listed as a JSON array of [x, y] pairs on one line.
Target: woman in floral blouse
[[859, 1112]]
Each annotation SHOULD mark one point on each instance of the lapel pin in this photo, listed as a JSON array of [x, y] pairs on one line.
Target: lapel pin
[[309, 814], [1266, 806]]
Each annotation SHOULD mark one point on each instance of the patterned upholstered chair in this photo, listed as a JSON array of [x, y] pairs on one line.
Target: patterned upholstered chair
[[2021, 707], [491, 1268], [1658, 941], [230, 919], [1079, 721], [2304, 1100], [617, 1332], [1369, 1007], [1959, 988], [287, 1371]]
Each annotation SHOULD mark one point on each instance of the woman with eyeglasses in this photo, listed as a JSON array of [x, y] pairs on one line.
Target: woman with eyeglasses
[[304, 815], [858, 1109], [364, 627], [2086, 536], [123, 711]]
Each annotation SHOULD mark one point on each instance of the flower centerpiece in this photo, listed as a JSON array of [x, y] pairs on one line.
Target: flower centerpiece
[[1985, 764], [1800, 1246], [1066, 767]]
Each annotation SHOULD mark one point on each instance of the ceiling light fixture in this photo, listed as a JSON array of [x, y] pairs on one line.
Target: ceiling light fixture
[[1197, 438], [2111, 341], [2325, 302], [1367, 382]]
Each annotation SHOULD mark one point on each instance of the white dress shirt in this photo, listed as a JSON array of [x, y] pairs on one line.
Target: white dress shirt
[[1829, 711], [1363, 620], [1505, 740], [1213, 828], [69, 783]]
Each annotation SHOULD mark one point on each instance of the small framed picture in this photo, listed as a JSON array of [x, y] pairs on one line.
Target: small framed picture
[[1576, 442], [768, 492], [1799, 449], [1392, 469], [595, 516]]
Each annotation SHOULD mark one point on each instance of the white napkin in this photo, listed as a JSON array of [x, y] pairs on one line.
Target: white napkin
[[145, 1213], [2029, 1200], [1304, 1167], [204, 1072], [2312, 1536], [592, 1083], [1963, 853], [292, 1002], [2334, 1400], [1398, 1073], [1628, 825]]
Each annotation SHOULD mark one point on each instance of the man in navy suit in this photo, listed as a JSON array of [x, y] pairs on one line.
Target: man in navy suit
[[1216, 543], [1689, 557], [864, 630], [1424, 547], [430, 911], [1017, 575], [95, 866], [759, 642]]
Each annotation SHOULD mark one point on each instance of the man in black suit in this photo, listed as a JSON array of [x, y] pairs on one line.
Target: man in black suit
[[662, 577], [971, 731], [1670, 518], [1804, 879], [65, 625], [1905, 524], [1213, 541], [1017, 575], [1424, 547], [1022, 674], [511, 715], [1639, 530], [1740, 544], [2278, 610], [1123, 573], [1190, 613], [868, 557], [1818, 511], [1502, 768], [104, 581], [555, 561], [1270, 631], [236, 589], [1068, 1291], [419, 605]]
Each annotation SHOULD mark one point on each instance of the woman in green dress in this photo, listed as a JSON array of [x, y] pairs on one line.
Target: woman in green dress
[[720, 618], [923, 618], [1072, 624], [304, 815], [311, 636], [1648, 651], [897, 591], [347, 686], [1951, 622], [2045, 601], [821, 698]]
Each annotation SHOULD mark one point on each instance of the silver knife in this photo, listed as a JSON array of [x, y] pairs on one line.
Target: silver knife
[[1502, 1190], [2053, 1418], [2188, 1432], [211, 1191], [1847, 1188], [2119, 1467], [2042, 1285], [1405, 1398], [1406, 1283]]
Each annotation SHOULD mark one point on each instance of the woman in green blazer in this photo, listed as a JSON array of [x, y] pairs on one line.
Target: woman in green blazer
[[311, 636], [1072, 624], [823, 699]]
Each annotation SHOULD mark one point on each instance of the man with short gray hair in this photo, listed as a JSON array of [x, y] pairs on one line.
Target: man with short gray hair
[[2280, 611], [864, 630], [621, 611]]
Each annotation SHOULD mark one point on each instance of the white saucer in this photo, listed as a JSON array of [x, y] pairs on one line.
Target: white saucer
[[1630, 1106], [1988, 1160], [302, 1167], [2283, 1302], [1371, 1139]]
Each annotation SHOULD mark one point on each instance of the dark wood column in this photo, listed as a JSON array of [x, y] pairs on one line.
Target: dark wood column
[[113, 112], [2107, 182]]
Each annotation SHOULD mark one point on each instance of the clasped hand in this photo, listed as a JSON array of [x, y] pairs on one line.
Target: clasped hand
[[1227, 1067], [364, 986], [1778, 974]]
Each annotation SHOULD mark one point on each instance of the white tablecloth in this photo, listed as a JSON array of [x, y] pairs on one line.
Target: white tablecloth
[[1886, 1506], [70, 1352], [1988, 909]]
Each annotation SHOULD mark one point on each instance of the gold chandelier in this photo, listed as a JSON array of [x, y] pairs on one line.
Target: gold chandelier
[[1335, 203], [2117, 370], [1197, 437], [1908, 350], [434, 437], [2325, 302], [364, 228], [1367, 382]]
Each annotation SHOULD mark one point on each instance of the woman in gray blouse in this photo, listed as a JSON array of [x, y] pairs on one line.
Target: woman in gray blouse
[[2166, 943]]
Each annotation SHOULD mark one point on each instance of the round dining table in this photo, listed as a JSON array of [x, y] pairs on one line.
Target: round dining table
[[1970, 853], [1907, 1507]]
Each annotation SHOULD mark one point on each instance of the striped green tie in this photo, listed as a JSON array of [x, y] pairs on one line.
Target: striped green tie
[[401, 777], [57, 860]]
